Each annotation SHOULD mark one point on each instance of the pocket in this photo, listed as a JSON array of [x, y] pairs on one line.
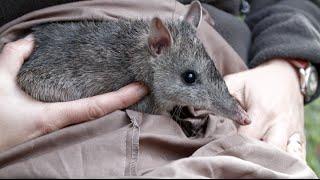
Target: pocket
[[93, 149]]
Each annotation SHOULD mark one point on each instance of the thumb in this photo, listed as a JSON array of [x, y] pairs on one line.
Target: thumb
[[236, 86], [67, 113], [14, 54]]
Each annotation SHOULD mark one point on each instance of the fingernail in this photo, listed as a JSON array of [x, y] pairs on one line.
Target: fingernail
[[29, 37], [136, 88], [142, 89]]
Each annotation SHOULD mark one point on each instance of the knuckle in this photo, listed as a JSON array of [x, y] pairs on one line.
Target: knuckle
[[267, 110], [95, 110], [16, 48], [44, 125], [11, 47], [45, 128]]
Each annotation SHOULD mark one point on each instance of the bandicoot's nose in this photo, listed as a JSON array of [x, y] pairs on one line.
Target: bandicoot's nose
[[235, 112], [239, 114], [242, 117]]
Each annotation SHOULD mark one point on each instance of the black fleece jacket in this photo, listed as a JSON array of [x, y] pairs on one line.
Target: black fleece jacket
[[271, 29], [286, 29]]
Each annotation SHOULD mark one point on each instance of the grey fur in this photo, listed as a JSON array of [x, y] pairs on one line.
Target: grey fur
[[74, 60]]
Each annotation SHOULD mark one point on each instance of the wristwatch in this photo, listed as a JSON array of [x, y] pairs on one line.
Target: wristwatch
[[308, 76]]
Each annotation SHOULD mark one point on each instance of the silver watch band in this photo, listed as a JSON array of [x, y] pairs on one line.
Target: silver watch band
[[308, 81]]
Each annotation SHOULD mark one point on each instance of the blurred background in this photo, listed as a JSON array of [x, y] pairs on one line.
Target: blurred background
[[312, 122]]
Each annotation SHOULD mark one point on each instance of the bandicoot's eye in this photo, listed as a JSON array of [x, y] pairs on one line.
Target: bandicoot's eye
[[189, 77]]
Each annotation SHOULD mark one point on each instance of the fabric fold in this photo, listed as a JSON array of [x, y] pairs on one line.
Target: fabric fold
[[134, 144]]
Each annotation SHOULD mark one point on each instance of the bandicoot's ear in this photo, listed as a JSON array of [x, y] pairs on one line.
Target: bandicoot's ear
[[194, 14], [159, 37]]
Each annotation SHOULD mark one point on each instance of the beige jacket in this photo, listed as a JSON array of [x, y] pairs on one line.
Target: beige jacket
[[129, 143]]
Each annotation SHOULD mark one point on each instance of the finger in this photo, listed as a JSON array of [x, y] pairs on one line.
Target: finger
[[236, 84], [14, 54], [67, 113], [296, 146], [277, 135]]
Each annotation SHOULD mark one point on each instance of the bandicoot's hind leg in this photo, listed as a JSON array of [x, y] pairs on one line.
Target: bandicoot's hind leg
[[44, 89]]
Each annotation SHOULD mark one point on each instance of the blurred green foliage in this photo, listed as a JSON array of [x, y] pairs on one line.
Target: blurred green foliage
[[312, 118]]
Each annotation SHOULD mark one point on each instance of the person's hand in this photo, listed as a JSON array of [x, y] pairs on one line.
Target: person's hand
[[271, 95], [23, 118]]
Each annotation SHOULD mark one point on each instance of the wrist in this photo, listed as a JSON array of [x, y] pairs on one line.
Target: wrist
[[281, 68], [283, 74], [308, 78]]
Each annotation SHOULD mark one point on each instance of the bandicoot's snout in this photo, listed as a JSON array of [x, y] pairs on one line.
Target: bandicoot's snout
[[241, 116], [231, 109]]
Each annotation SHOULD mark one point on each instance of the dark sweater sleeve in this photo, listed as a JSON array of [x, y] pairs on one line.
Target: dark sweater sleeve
[[12, 9], [284, 29]]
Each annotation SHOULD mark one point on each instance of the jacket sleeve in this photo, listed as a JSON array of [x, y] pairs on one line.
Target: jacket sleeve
[[284, 29], [10, 10]]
